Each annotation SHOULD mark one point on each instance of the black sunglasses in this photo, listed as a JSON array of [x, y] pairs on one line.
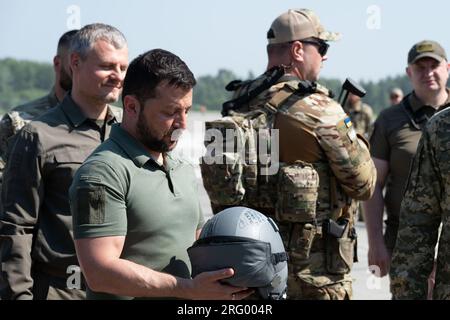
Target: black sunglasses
[[322, 46]]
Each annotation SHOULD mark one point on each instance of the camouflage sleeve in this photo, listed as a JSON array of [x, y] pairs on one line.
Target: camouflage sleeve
[[348, 156], [22, 192], [10, 124], [420, 216]]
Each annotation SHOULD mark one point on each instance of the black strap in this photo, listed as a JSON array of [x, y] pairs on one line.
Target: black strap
[[224, 239], [272, 76], [410, 113], [419, 118], [279, 257]]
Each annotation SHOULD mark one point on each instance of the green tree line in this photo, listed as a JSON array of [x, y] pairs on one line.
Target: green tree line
[[22, 81]]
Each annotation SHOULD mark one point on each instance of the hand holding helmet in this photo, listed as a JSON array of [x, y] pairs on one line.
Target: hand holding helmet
[[247, 241]]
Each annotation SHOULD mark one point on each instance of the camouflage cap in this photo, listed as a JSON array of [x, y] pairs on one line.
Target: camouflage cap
[[424, 49], [298, 24]]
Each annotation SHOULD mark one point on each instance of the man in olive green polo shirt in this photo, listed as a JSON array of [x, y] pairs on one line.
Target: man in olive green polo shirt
[[37, 254], [135, 208], [394, 142]]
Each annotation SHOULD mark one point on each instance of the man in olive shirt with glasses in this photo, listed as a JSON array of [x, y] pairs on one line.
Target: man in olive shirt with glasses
[[36, 243]]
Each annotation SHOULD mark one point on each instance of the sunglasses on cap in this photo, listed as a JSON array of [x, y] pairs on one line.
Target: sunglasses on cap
[[322, 46]]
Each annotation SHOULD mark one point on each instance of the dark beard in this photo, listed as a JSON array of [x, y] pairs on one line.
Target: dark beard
[[65, 81], [147, 138]]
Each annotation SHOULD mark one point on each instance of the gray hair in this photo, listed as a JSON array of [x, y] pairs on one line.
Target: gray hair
[[85, 38]]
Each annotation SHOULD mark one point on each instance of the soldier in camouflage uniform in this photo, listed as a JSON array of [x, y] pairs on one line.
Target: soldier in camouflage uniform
[[425, 206], [15, 119], [361, 115], [313, 131]]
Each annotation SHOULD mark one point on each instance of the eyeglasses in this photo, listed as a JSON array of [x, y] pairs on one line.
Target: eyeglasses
[[322, 46]]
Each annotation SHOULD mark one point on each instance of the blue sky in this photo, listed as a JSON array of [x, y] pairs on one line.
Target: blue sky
[[210, 35]]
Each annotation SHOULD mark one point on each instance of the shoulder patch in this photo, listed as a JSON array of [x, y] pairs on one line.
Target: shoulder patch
[[90, 205], [346, 125], [348, 122]]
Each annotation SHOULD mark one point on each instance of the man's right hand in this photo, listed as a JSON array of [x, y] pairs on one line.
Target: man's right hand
[[207, 286], [379, 257]]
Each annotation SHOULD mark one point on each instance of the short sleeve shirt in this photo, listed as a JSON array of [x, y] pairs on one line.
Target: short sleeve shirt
[[121, 191], [395, 139]]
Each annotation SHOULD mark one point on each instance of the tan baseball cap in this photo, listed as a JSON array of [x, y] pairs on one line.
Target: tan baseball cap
[[298, 24], [426, 48]]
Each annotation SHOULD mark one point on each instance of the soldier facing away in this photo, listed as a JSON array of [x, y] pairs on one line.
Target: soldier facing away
[[324, 164]]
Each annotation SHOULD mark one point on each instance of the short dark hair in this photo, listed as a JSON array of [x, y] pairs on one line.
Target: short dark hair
[[64, 40], [149, 69], [278, 49]]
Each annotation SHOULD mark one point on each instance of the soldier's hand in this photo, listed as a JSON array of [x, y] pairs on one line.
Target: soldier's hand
[[207, 286], [379, 259]]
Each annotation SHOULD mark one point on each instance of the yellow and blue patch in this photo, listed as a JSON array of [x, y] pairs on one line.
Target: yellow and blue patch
[[345, 127], [344, 123], [348, 122]]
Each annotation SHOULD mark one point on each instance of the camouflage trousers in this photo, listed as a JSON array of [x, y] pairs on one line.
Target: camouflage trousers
[[301, 290]]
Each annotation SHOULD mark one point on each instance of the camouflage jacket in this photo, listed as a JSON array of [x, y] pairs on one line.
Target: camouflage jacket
[[425, 205], [15, 119], [336, 151]]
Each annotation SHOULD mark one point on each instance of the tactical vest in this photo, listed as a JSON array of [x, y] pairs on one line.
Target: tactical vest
[[238, 167], [237, 170]]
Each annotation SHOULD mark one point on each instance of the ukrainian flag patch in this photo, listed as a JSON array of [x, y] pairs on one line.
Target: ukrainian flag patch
[[348, 122]]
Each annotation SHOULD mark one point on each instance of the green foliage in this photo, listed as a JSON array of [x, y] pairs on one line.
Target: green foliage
[[22, 81], [377, 93], [210, 90], [332, 84]]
